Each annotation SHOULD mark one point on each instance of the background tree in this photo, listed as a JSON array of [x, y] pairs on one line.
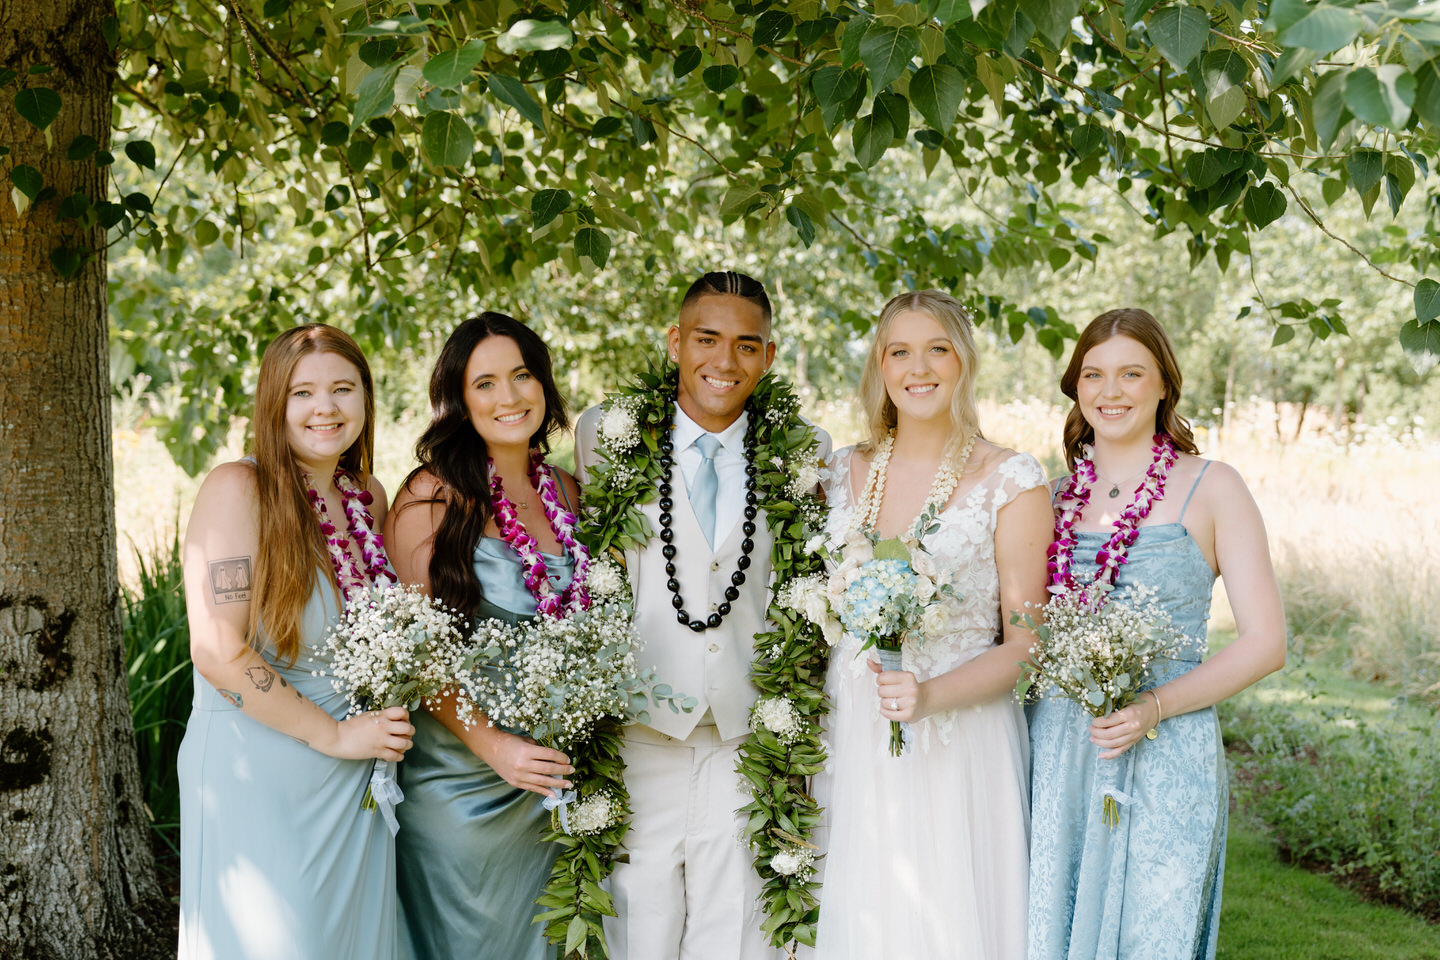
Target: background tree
[[421, 157]]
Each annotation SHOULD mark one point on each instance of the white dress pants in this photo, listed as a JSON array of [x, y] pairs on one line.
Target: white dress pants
[[689, 891]]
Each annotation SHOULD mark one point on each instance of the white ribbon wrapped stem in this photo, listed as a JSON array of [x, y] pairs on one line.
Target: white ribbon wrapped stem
[[1121, 797], [560, 802], [386, 793]]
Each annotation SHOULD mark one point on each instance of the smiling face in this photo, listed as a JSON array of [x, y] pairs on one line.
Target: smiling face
[[505, 401], [324, 410], [1120, 389], [920, 367], [722, 346]]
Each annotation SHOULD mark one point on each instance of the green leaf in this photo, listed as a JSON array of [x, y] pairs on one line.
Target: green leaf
[[452, 68], [510, 91], [740, 200], [206, 233], [81, 148], [1264, 204], [528, 35], [1223, 109], [138, 202], [1366, 168], [142, 153], [446, 139], [833, 87], [1179, 33], [1293, 62], [1332, 189], [7, 76], [1427, 300], [1284, 333], [27, 180], [870, 138], [887, 51], [546, 205], [575, 934], [1380, 96], [1399, 178], [593, 244], [1135, 9], [720, 77], [1427, 92], [937, 91], [896, 110], [686, 61], [1087, 138], [67, 261], [1421, 343], [39, 105], [1222, 69], [1324, 29], [771, 27], [802, 223], [334, 133], [1329, 107], [855, 29], [375, 95], [1051, 18]]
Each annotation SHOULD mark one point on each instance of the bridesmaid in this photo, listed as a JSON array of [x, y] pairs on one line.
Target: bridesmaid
[[1151, 886], [277, 859], [471, 855]]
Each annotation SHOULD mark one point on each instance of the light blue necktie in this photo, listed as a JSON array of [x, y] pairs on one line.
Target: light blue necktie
[[705, 486]]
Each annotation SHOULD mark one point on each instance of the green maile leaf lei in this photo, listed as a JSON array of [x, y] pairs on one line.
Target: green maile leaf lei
[[788, 666]]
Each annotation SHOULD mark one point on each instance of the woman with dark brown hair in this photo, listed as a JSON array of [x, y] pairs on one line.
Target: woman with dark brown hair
[[486, 525], [278, 858], [1142, 513]]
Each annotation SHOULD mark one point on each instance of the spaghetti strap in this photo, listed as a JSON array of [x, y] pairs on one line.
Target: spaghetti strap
[[1186, 504], [564, 494]]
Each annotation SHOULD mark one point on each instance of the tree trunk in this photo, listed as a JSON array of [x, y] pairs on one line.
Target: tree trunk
[[77, 879]]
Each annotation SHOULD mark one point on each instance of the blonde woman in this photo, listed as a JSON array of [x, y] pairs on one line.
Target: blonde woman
[[277, 859], [926, 852]]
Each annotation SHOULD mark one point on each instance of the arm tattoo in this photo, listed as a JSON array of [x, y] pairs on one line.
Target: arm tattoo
[[230, 579], [233, 698], [263, 678]]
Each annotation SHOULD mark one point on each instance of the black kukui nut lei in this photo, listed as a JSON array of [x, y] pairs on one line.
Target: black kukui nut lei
[[667, 535]]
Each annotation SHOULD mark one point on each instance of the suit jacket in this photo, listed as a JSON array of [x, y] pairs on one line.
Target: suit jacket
[[712, 666]]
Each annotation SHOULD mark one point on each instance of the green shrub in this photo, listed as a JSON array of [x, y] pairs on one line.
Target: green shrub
[[157, 654], [1354, 795]]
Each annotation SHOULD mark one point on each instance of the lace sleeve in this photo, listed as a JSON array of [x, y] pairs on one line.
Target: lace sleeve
[[837, 482], [1017, 473]]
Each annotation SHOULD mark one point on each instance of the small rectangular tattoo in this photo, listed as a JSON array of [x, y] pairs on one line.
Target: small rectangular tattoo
[[233, 698], [230, 579]]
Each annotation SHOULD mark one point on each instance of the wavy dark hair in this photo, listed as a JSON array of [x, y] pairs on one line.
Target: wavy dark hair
[[1143, 328], [453, 452]]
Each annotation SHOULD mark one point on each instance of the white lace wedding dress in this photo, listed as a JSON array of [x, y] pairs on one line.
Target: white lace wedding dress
[[926, 854]]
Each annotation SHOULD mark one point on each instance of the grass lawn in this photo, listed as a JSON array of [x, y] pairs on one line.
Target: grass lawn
[[1273, 911]]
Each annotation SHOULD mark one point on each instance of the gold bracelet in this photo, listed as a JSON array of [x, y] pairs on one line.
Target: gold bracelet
[[1152, 733]]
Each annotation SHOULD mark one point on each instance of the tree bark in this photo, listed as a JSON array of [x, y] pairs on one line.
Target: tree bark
[[77, 878]]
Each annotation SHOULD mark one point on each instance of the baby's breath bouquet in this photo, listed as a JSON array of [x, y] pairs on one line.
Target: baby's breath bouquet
[[393, 647], [556, 678], [879, 593], [1097, 653]]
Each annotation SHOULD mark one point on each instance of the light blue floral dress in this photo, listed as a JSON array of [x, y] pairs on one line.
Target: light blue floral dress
[[1150, 888]]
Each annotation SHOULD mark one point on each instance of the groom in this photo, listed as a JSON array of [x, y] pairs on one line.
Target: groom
[[689, 890]]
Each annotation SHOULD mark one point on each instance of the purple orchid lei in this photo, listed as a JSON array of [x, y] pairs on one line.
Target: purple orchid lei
[[1073, 497], [356, 502], [548, 603]]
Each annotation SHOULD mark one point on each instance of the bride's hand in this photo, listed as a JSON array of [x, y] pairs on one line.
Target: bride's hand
[[523, 763], [902, 697]]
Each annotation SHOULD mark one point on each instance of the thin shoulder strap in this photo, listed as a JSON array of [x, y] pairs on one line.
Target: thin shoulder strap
[[564, 493], [1186, 504]]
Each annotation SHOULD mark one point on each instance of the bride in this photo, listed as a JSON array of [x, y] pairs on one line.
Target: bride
[[927, 852]]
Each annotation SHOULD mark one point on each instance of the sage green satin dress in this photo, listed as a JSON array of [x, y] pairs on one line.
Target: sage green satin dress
[[471, 857]]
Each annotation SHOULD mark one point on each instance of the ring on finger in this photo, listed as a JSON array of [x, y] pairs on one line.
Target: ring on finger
[[894, 704]]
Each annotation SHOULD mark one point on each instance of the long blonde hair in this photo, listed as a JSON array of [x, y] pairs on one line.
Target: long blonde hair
[[953, 318], [1143, 328], [292, 549]]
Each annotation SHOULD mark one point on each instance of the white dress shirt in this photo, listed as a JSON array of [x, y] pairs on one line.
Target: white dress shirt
[[729, 466]]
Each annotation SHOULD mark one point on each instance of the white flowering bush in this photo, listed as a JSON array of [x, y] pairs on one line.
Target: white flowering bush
[[394, 646], [557, 678]]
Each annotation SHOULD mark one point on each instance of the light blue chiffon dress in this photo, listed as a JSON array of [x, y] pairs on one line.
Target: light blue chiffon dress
[[277, 859], [472, 858], [1150, 888]]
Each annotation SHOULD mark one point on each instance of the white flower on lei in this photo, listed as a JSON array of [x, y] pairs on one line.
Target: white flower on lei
[[807, 477], [809, 596], [793, 861], [619, 428], [779, 716], [593, 814], [608, 580]]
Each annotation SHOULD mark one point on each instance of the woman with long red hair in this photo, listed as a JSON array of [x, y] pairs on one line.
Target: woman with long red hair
[[278, 859]]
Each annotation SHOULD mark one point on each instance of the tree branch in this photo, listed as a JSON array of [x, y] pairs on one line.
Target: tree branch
[[1348, 245]]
